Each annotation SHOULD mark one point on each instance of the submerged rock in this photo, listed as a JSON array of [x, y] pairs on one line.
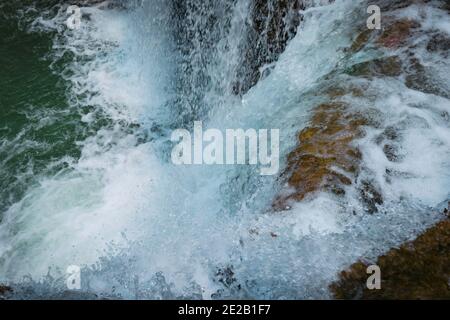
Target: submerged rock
[[370, 196], [439, 42], [419, 269], [396, 34], [5, 291], [325, 158], [389, 66], [419, 78], [394, 4], [226, 277], [389, 139], [361, 40]]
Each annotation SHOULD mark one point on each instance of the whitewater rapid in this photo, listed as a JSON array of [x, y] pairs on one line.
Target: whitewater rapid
[[141, 227]]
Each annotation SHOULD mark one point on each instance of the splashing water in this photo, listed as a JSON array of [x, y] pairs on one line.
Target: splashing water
[[143, 228]]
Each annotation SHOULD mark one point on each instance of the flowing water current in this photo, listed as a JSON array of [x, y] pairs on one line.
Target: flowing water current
[[85, 169]]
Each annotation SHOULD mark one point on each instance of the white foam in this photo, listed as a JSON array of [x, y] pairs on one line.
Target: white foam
[[187, 221]]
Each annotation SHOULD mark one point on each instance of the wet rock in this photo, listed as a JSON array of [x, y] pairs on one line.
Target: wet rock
[[5, 291], [361, 40], [445, 5], [389, 67], [416, 270], [420, 79], [439, 42], [370, 196], [398, 174], [273, 24], [394, 4], [390, 5], [325, 158], [226, 277], [390, 152], [397, 33], [390, 133], [389, 137]]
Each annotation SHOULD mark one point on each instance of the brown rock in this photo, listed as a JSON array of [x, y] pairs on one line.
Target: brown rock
[[395, 34], [361, 40], [416, 270], [420, 79], [324, 146]]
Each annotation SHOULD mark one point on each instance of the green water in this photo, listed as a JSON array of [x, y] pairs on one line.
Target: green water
[[37, 126]]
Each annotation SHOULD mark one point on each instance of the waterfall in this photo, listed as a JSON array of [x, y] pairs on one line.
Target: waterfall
[[140, 227]]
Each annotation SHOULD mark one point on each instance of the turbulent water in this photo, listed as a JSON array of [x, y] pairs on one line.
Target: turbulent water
[[86, 176]]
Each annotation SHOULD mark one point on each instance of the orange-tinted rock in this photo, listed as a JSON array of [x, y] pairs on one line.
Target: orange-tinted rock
[[416, 270], [325, 158]]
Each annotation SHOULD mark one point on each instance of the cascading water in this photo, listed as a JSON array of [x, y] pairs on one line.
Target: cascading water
[[140, 226]]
